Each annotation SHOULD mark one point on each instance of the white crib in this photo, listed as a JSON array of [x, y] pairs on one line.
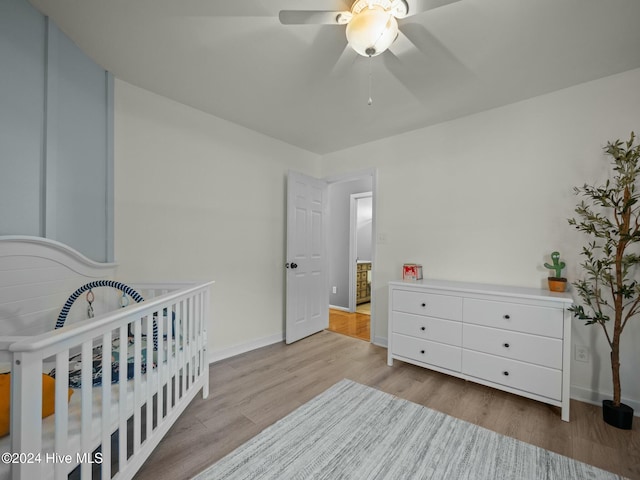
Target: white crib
[[107, 430]]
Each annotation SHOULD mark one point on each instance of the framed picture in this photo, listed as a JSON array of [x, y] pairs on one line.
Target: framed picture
[[411, 271]]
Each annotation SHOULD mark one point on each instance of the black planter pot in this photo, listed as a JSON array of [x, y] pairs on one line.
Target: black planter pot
[[619, 417]]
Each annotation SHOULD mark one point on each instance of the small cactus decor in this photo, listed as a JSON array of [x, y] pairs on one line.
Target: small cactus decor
[[557, 265], [556, 283]]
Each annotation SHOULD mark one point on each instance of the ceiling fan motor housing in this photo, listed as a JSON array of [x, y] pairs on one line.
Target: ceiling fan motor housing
[[398, 8], [372, 30]]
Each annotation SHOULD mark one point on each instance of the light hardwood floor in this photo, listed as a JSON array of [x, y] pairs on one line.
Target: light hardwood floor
[[355, 325], [255, 389]]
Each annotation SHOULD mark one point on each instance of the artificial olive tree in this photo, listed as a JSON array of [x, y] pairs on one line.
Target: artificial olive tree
[[610, 215]]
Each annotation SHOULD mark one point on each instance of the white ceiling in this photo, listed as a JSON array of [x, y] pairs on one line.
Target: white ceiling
[[292, 82]]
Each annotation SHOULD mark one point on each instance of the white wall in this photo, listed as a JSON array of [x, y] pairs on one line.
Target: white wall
[[486, 198], [199, 198]]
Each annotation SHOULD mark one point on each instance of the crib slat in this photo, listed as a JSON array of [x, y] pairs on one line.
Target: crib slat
[[106, 406], [205, 319], [62, 412], [198, 339], [150, 373], [160, 362], [137, 393], [87, 405], [183, 356], [122, 398], [206, 306], [203, 343], [192, 338], [175, 370], [202, 348], [172, 353], [26, 428]]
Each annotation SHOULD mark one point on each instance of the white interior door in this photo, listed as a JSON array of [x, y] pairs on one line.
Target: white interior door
[[307, 302]]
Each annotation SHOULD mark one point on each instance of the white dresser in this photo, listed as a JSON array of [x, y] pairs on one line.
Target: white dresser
[[510, 338]]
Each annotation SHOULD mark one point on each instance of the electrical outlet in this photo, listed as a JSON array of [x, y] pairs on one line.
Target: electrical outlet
[[582, 353], [335, 289]]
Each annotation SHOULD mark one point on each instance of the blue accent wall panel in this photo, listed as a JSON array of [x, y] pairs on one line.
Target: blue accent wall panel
[[56, 136], [81, 172], [22, 78]]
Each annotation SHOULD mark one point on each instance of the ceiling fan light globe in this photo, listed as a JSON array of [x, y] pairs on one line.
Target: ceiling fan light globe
[[371, 31]]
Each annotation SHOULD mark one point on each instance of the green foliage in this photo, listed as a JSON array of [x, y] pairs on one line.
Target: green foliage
[[610, 215], [557, 265]]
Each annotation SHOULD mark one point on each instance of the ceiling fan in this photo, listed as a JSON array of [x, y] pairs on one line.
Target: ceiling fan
[[371, 25]]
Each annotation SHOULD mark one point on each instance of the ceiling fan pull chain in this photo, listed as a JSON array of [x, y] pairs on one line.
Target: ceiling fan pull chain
[[370, 101]]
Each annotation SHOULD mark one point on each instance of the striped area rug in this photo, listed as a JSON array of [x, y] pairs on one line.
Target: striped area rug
[[355, 432]]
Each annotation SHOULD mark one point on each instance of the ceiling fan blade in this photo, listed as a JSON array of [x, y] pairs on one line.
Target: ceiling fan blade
[[407, 64], [419, 6], [411, 75], [345, 61], [309, 17], [421, 63], [431, 47], [402, 45]]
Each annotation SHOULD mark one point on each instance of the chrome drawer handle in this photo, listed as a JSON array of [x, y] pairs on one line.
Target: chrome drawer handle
[[505, 373], [506, 317], [505, 345]]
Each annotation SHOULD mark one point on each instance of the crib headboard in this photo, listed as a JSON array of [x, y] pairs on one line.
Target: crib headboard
[[37, 275]]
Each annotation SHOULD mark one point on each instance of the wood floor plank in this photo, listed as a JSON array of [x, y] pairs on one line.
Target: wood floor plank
[[255, 389], [355, 324]]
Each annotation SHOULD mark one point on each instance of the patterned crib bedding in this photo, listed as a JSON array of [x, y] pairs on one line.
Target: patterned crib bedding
[[122, 359], [117, 363]]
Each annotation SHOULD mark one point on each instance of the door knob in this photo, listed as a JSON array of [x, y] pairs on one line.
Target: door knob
[[294, 265]]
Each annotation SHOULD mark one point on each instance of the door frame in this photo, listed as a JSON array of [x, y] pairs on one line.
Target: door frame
[[353, 239], [356, 175]]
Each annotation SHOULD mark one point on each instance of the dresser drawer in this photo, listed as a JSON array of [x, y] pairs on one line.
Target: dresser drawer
[[433, 353], [535, 379], [428, 328], [544, 321], [441, 306], [543, 351]]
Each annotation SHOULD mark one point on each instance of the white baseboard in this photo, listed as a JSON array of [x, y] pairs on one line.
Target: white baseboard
[[335, 307], [596, 398], [380, 341], [221, 354]]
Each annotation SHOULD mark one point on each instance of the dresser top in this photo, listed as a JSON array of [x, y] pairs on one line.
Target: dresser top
[[482, 288]]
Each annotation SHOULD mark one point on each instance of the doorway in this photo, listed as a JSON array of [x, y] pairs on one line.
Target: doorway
[[360, 252], [351, 253]]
